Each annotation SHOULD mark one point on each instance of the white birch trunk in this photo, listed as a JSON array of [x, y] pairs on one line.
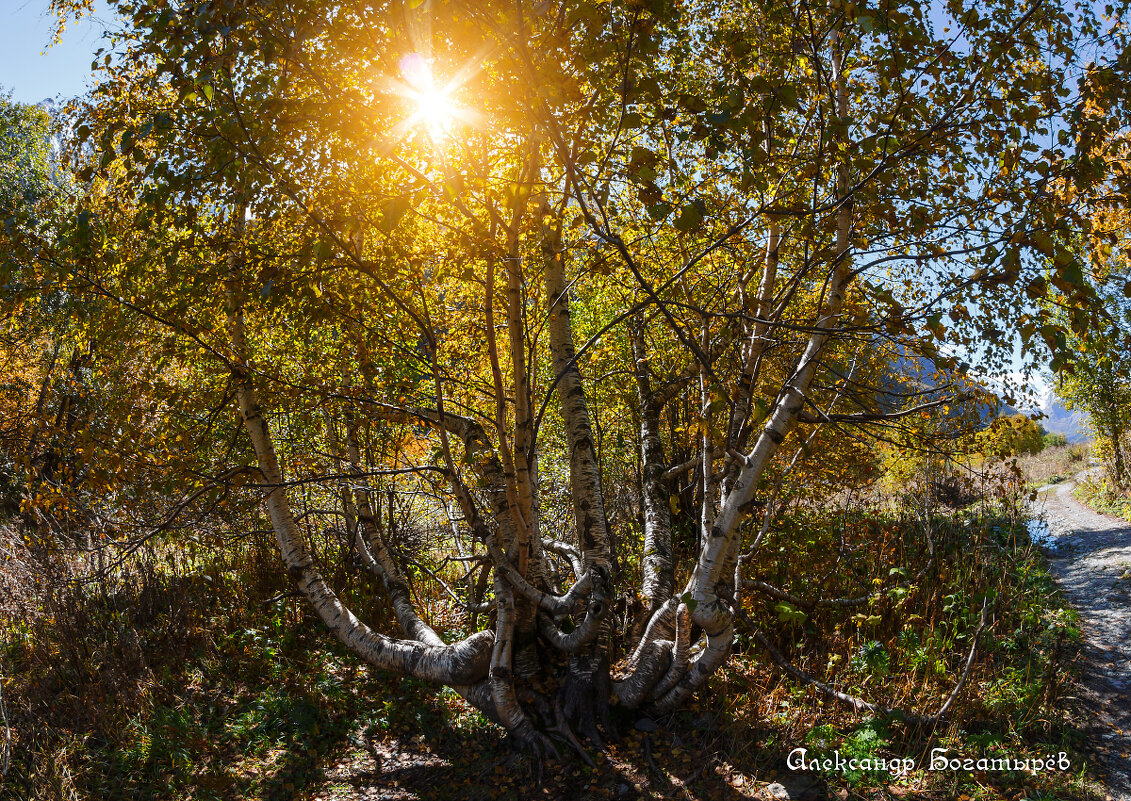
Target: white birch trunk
[[463, 663], [658, 579], [585, 481]]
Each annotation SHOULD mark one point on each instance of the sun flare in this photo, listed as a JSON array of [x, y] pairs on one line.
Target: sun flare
[[435, 110]]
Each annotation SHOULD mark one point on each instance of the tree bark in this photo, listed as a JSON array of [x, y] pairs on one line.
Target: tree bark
[[658, 580], [585, 481]]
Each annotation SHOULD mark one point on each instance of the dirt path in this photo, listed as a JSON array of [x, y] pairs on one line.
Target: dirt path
[[1090, 555]]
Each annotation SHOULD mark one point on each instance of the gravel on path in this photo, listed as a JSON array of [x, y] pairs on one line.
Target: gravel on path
[[1090, 557]]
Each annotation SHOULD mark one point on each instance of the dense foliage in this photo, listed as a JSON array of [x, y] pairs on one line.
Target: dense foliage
[[1012, 435], [1098, 379], [565, 308]]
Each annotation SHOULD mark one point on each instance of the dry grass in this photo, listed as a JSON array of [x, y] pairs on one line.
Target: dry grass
[[1053, 465], [175, 673]]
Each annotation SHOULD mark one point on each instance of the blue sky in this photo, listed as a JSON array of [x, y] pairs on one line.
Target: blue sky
[[32, 70]]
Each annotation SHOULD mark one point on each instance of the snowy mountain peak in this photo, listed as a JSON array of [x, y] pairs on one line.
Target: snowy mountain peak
[[1037, 394]]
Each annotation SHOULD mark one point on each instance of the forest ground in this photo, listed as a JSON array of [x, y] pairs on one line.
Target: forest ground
[[200, 676], [1090, 556]]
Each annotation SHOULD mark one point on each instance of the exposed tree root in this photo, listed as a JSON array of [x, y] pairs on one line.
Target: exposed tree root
[[585, 696], [562, 729]]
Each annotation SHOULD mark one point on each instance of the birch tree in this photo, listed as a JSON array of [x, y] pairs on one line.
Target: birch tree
[[445, 225]]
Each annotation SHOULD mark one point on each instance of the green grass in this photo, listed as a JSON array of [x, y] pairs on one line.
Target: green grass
[[1104, 497], [1016, 700]]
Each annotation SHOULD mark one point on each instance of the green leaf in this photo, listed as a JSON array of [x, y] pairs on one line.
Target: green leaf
[[788, 613], [787, 94], [690, 217], [1043, 242], [644, 174], [1071, 271], [693, 103]]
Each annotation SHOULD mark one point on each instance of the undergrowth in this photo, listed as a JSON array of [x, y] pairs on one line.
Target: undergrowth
[[1105, 497], [905, 650], [196, 673], [1053, 465]]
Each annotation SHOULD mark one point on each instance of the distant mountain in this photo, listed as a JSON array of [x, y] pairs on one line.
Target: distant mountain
[[1040, 397], [915, 372], [1058, 419]]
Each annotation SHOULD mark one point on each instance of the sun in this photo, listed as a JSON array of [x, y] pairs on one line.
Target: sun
[[435, 110]]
